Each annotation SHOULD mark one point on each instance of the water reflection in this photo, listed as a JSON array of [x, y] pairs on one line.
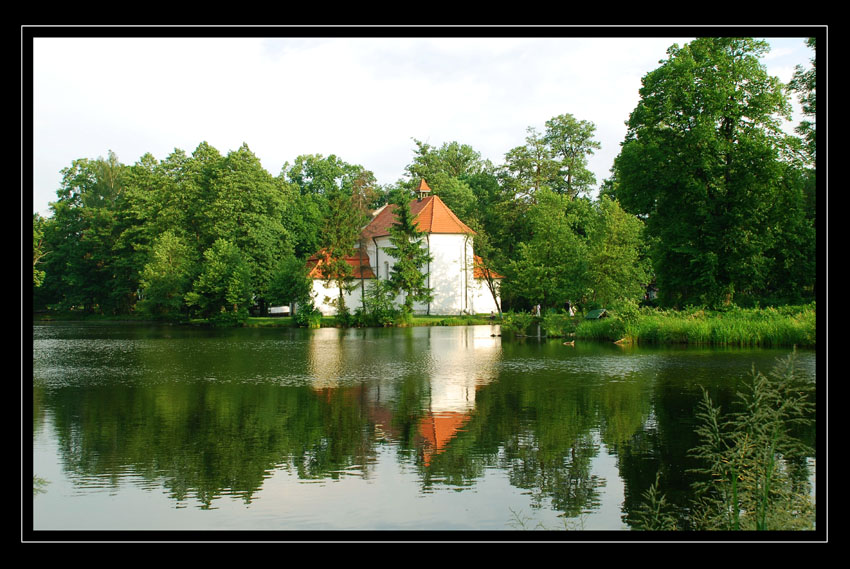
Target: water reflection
[[445, 367], [206, 415]]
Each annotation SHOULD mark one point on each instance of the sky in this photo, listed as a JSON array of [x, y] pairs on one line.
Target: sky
[[363, 99]]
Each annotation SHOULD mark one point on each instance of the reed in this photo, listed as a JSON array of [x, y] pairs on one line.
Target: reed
[[752, 473]]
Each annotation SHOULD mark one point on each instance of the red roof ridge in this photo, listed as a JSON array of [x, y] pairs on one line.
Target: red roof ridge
[[361, 267], [430, 214]]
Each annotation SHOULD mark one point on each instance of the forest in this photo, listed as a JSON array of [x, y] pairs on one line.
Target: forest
[[710, 202]]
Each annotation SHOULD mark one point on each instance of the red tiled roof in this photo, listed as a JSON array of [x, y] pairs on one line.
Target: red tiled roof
[[479, 270], [430, 215], [438, 429], [315, 262]]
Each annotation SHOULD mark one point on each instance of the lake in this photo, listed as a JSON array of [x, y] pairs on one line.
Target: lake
[[148, 427]]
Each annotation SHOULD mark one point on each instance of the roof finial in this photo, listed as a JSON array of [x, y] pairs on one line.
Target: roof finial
[[423, 189]]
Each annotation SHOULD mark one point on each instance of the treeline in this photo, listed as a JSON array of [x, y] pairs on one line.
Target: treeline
[[708, 199]]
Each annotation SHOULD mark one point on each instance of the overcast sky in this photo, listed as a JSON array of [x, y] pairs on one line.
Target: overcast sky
[[362, 99]]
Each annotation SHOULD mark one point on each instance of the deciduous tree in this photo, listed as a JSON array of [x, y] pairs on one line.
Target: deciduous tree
[[702, 163], [222, 292]]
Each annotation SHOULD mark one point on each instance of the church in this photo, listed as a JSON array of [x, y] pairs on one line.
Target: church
[[454, 274]]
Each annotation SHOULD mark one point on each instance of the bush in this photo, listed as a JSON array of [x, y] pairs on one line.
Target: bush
[[236, 317], [517, 322], [308, 317], [380, 306], [557, 324]]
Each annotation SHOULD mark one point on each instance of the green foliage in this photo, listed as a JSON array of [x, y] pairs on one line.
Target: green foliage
[[82, 269], [617, 266], [37, 249], [222, 291], [706, 163], [804, 83], [753, 468], [339, 235], [763, 327], [557, 324], [380, 309], [166, 278], [308, 316], [550, 268], [555, 160], [571, 142], [746, 456], [410, 256], [654, 513], [517, 322], [246, 207], [290, 283]]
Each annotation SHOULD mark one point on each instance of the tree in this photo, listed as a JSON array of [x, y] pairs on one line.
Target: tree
[[290, 283], [448, 171], [316, 179], [486, 254], [222, 292], [616, 267], [804, 83], [83, 269], [246, 207], [555, 159], [702, 163], [339, 235], [531, 167], [38, 251], [571, 142], [550, 268], [452, 159], [410, 257], [166, 278]]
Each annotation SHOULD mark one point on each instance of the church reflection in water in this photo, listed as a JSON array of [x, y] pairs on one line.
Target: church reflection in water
[[443, 366]]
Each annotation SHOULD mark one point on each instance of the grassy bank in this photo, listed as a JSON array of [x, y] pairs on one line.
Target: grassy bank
[[762, 327], [331, 321], [266, 321]]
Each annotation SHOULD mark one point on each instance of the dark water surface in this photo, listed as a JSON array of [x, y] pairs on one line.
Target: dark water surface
[[442, 428]]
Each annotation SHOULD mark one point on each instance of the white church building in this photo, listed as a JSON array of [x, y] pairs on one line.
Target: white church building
[[454, 275]]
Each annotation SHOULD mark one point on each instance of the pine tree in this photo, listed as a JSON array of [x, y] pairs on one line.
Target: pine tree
[[407, 276]]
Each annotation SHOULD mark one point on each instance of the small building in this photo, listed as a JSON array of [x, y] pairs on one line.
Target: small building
[[455, 275], [596, 314]]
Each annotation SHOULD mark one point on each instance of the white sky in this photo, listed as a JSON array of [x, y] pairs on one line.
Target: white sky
[[363, 99]]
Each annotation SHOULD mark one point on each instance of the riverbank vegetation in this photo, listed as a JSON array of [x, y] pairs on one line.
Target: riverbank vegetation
[[790, 325], [745, 327], [754, 470], [710, 203]]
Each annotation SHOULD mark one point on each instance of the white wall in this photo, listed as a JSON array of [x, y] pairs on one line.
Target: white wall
[[450, 278], [322, 295]]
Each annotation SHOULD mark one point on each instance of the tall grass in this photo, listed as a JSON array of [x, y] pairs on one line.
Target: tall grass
[[759, 327], [557, 324], [517, 322], [753, 477]]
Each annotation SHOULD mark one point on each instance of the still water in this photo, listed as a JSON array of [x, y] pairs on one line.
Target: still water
[[442, 428]]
